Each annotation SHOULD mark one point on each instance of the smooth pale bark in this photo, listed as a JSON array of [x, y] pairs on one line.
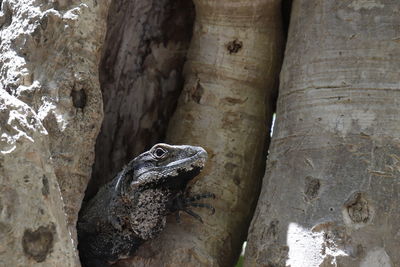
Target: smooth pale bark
[[230, 79], [330, 196], [49, 56], [140, 76]]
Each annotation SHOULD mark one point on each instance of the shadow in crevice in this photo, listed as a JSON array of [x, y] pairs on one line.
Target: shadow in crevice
[[286, 7], [140, 75], [286, 11]]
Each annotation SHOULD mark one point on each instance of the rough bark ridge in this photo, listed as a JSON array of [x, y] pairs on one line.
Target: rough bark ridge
[[331, 194], [50, 52], [140, 76], [230, 75]]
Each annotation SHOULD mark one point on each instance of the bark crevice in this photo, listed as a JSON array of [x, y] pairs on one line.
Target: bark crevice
[[140, 76]]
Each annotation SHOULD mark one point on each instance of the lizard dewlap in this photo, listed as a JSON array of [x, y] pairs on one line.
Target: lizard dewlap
[[132, 208]]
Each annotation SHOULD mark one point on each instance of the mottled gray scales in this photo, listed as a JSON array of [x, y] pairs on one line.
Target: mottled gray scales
[[132, 208]]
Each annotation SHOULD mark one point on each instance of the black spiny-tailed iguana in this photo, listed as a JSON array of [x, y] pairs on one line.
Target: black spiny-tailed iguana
[[132, 208]]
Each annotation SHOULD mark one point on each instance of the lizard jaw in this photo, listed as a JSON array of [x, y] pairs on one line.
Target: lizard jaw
[[179, 180], [176, 179], [175, 176]]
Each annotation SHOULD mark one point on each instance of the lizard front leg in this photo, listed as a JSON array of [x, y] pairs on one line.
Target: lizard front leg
[[183, 203]]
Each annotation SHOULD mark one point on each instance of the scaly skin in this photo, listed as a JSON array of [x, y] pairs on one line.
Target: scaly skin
[[132, 208]]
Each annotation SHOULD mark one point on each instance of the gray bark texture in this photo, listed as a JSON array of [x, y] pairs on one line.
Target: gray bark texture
[[226, 106], [140, 75], [331, 191], [51, 110], [33, 225]]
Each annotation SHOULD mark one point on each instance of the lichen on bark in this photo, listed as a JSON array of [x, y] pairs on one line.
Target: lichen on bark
[[33, 225], [49, 55], [49, 59]]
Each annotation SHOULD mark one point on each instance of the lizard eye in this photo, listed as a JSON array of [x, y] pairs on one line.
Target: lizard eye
[[159, 153]]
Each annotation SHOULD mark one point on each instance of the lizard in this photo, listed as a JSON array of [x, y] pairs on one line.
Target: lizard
[[132, 208]]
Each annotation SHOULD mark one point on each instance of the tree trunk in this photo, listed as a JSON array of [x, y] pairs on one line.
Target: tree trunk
[[330, 195], [140, 75], [33, 225], [49, 59], [230, 77]]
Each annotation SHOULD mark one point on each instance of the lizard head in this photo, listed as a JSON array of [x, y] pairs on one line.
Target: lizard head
[[166, 166]]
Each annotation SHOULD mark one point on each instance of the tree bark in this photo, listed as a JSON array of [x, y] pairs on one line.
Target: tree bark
[[230, 79], [330, 194], [50, 52], [33, 225], [140, 75]]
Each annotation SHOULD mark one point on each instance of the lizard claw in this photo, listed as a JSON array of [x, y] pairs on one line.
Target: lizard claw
[[203, 205], [181, 203], [194, 215]]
